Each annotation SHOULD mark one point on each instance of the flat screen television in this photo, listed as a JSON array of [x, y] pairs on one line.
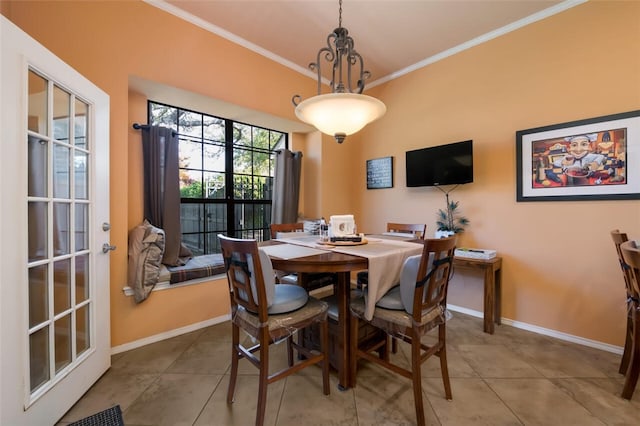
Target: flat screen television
[[450, 164]]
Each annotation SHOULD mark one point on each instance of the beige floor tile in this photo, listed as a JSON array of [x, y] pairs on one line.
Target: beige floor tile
[[203, 356], [473, 403], [496, 361], [112, 389], [540, 402], [242, 411], [303, 403], [172, 400], [602, 398], [152, 358], [555, 360], [387, 399]]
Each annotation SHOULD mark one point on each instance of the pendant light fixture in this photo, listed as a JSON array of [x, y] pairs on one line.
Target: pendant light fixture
[[345, 110]]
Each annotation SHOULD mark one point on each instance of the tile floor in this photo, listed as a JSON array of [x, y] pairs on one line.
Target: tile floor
[[513, 377]]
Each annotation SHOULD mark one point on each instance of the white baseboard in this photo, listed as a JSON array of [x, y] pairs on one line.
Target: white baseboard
[[169, 334], [544, 331]]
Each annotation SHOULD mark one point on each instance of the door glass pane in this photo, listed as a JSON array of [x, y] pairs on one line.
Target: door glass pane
[[37, 166], [39, 357], [61, 164], [37, 118], [82, 278], [80, 167], [37, 217], [82, 329], [80, 125], [81, 230], [38, 295], [213, 185], [61, 221], [62, 342], [61, 108], [61, 286]]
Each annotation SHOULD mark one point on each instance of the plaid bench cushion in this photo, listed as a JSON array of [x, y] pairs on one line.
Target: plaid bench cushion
[[198, 267]]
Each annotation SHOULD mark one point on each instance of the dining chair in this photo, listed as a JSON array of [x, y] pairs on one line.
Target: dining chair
[[269, 313], [619, 238], [631, 255], [308, 281], [408, 311], [419, 231]]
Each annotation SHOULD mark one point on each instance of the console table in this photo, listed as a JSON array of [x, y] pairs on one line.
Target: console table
[[492, 269]]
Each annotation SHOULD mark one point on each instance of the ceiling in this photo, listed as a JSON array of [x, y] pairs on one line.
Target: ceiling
[[393, 36]]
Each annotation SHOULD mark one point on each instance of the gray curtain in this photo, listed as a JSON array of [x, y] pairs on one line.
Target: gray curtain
[[162, 191], [286, 186]]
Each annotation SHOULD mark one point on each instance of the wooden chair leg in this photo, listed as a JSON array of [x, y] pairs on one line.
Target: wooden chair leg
[[263, 377], [628, 343], [417, 379], [442, 354], [633, 370], [235, 341], [394, 345]]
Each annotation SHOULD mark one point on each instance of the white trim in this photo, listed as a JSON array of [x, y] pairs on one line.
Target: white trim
[[550, 11], [165, 285], [544, 331], [169, 334]]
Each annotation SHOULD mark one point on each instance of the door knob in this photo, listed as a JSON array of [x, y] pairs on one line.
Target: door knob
[[106, 248]]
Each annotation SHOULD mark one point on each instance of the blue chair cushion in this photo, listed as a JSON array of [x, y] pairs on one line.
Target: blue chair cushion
[[391, 300], [288, 298]]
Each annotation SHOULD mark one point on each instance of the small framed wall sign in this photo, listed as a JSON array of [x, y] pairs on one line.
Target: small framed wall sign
[[380, 173]]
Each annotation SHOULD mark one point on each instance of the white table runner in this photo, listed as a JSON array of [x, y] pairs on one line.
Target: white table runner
[[386, 258], [290, 251]]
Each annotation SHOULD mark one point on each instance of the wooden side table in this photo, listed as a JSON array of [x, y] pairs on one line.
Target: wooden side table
[[492, 269]]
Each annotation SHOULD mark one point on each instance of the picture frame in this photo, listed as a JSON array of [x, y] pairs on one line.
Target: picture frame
[[591, 159], [380, 173]]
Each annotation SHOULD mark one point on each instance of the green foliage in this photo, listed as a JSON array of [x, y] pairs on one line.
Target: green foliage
[[450, 219]]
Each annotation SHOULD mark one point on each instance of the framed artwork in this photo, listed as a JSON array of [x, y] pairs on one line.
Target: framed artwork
[[380, 173], [593, 159]]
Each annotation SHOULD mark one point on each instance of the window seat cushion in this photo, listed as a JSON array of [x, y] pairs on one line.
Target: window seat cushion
[[197, 267]]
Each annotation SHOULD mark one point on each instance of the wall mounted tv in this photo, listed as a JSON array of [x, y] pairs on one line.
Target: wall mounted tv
[[450, 164]]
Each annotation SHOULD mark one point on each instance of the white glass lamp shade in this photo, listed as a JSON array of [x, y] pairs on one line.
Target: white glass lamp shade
[[340, 113]]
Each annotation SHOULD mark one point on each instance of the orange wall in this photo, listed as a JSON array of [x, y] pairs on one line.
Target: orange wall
[[560, 269]]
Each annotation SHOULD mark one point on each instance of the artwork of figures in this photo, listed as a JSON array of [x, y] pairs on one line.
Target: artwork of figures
[[583, 159]]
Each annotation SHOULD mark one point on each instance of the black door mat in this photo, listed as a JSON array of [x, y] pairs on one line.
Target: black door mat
[[109, 417]]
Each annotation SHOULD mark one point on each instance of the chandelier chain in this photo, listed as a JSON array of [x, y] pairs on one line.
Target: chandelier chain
[[340, 14]]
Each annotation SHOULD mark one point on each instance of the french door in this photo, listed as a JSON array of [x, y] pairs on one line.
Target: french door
[[54, 220]]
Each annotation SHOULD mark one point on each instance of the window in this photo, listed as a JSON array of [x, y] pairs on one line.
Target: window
[[226, 175]]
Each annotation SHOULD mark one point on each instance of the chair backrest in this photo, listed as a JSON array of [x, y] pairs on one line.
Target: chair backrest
[[285, 227], [619, 238], [418, 229], [250, 275], [631, 255], [433, 276]]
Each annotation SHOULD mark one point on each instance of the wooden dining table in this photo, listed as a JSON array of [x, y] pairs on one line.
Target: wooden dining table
[[341, 264]]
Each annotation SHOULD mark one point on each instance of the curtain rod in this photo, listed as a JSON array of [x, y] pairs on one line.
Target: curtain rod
[[139, 126]]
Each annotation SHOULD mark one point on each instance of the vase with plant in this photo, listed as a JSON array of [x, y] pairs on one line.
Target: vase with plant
[[450, 221]]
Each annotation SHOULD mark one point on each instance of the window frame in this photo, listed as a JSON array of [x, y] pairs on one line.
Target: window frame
[[207, 242]]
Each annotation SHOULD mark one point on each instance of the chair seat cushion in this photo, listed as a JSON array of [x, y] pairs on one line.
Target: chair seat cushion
[[391, 300], [398, 322], [288, 298]]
